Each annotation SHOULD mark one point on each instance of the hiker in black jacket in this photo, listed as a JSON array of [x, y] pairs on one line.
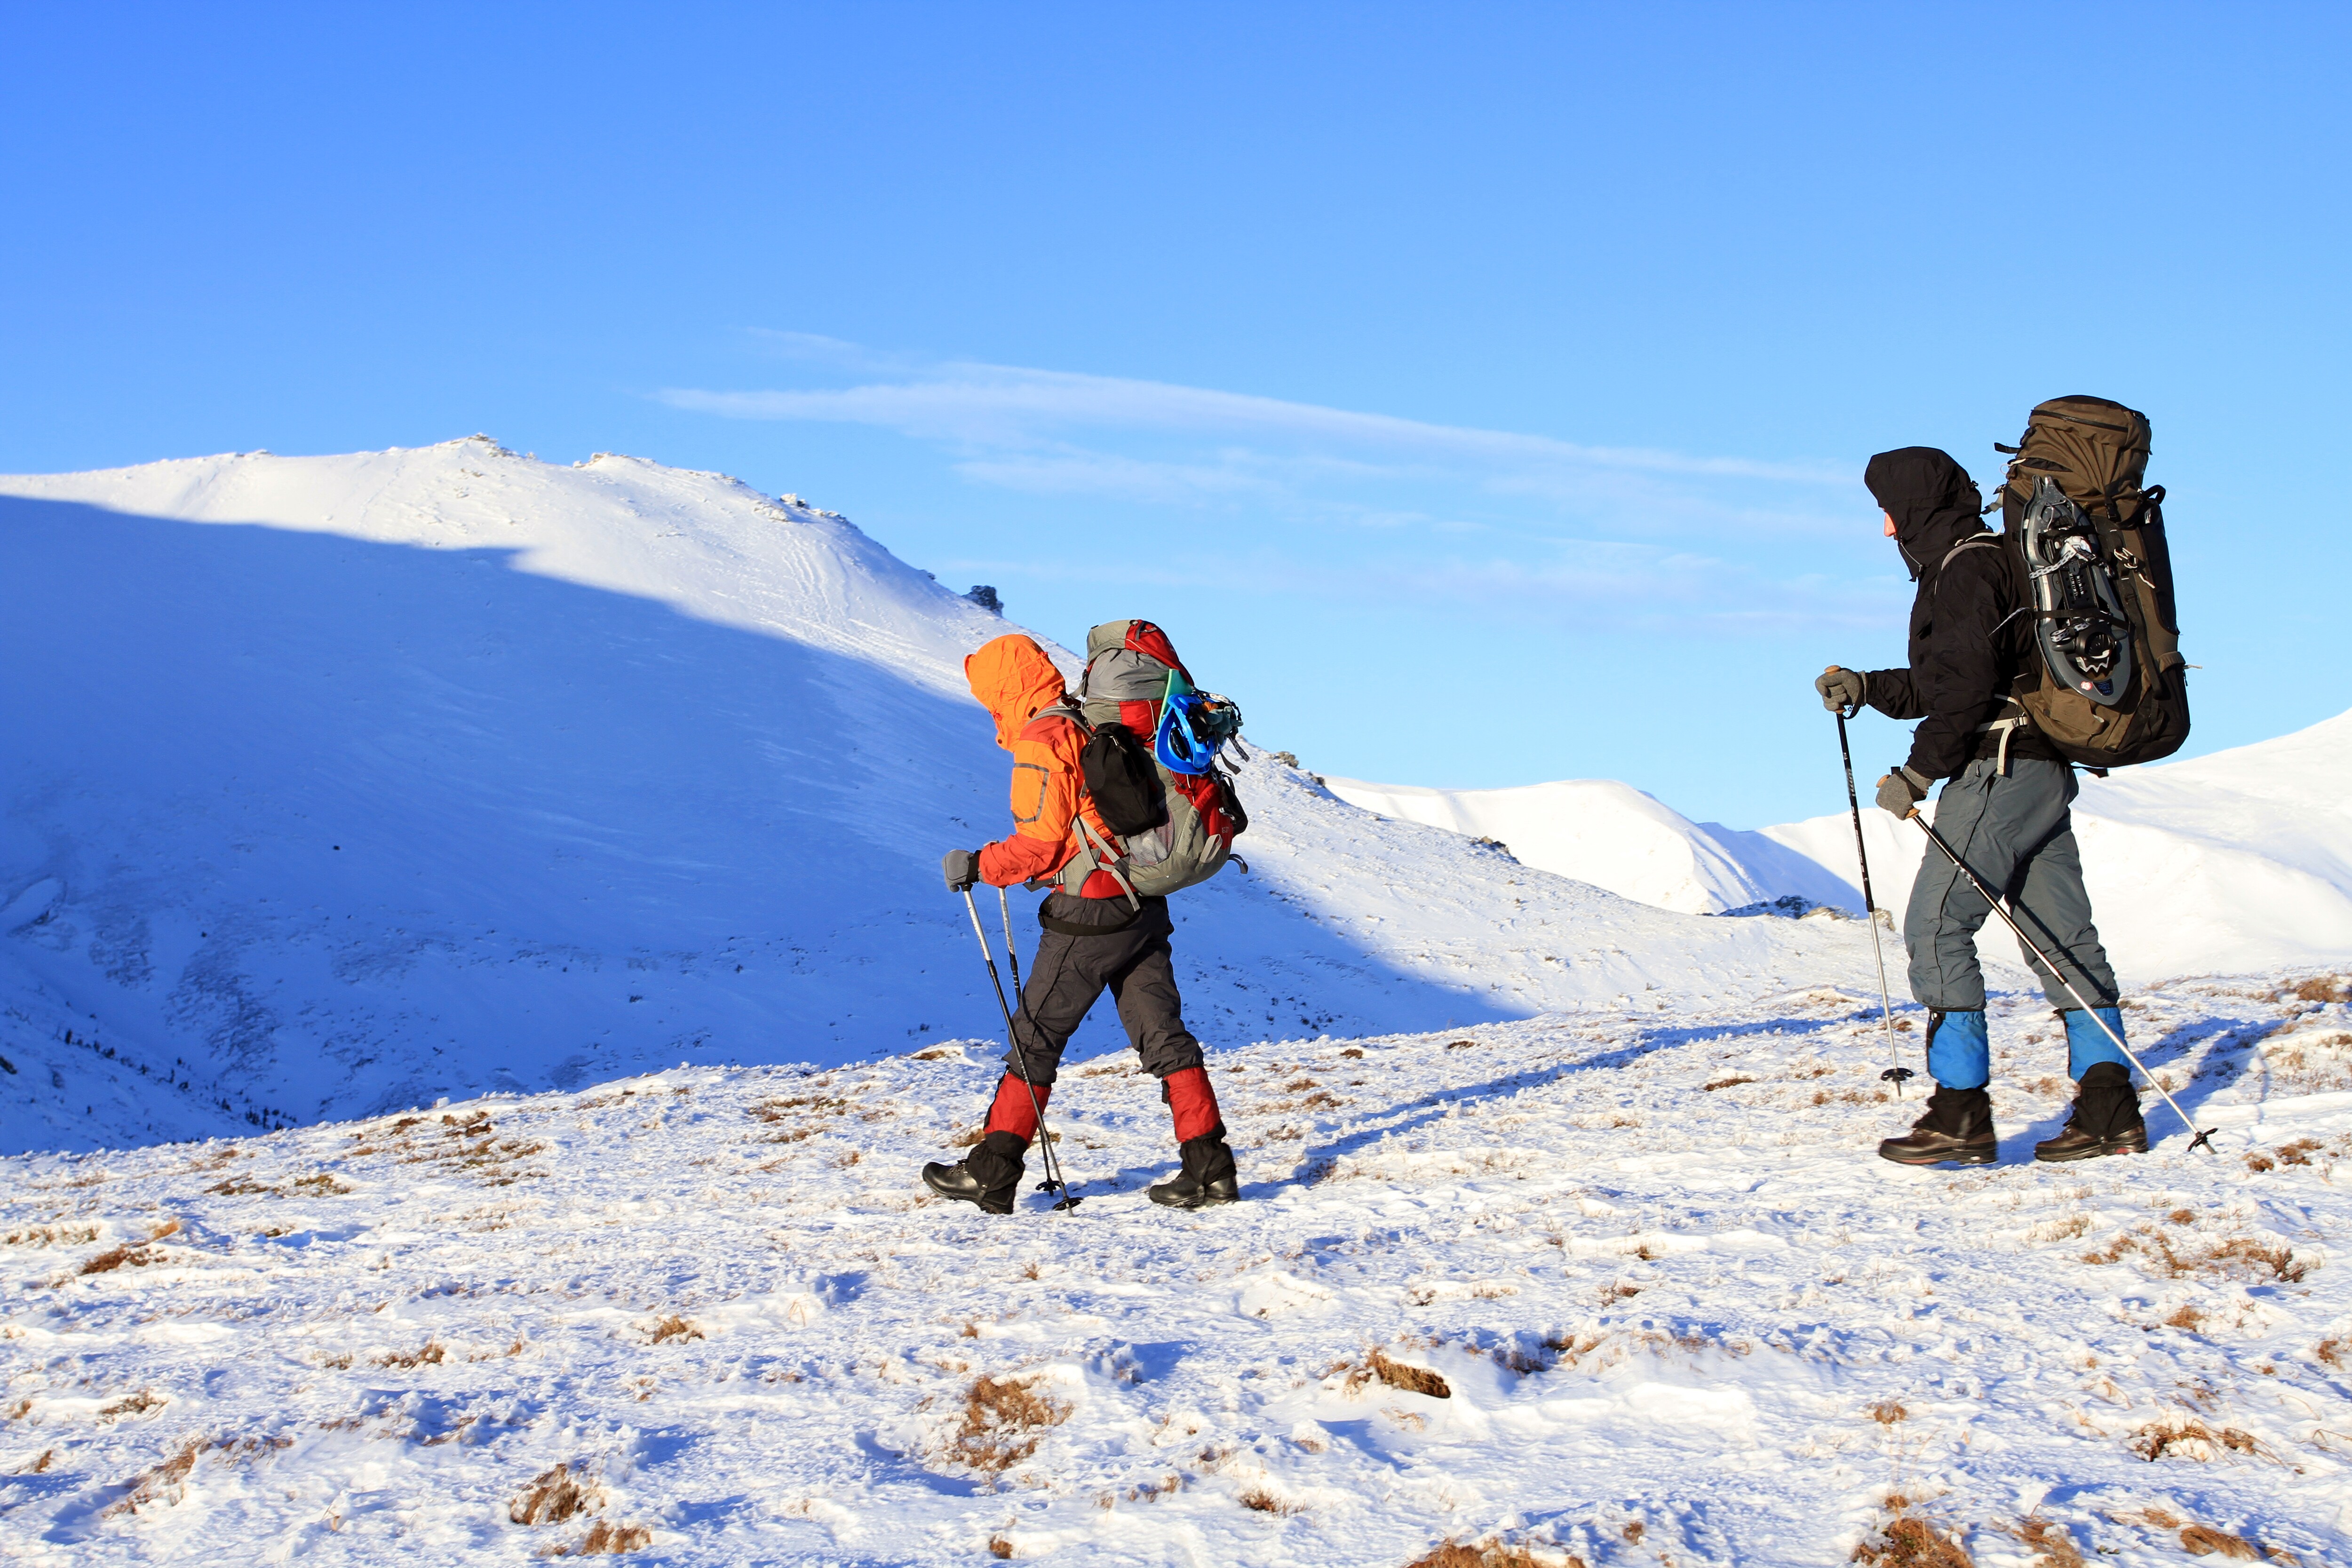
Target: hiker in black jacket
[[2004, 811]]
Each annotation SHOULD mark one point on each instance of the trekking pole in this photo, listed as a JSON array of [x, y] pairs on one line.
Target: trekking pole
[[1021, 1001], [1012, 954], [2204, 1137], [1898, 1072], [1053, 1182]]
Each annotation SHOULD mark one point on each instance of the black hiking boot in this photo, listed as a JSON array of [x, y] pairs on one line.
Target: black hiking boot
[[2106, 1118], [1957, 1129], [1207, 1178], [990, 1175]]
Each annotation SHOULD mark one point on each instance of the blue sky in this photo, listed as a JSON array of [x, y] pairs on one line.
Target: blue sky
[[1479, 394]]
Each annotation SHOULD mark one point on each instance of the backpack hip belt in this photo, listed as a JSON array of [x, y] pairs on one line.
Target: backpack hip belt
[[1095, 854], [2006, 726]]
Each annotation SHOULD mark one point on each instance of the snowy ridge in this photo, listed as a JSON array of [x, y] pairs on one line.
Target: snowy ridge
[[705, 543], [1614, 836], [339, 785], [2233, 861], [2226, 862], [1612, 1288]]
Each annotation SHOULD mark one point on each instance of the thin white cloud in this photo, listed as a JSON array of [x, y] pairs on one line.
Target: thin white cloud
[[1004, 404], [1590, 585], [1297, 497]]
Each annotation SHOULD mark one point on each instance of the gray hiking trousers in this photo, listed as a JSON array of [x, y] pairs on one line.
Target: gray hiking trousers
[[1071, 971], [2016, 833]]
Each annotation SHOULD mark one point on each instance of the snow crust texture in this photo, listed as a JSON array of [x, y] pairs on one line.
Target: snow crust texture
[[1615, 1288]]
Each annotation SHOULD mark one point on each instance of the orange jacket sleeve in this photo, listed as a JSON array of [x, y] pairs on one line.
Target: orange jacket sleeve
[[1044, 801]]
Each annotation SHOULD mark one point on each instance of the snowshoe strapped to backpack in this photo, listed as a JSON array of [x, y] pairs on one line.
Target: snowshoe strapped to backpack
[[2098, 580], [1178, 822]]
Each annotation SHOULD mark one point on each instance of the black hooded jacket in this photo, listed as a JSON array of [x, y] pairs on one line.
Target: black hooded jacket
[[1968, 652]]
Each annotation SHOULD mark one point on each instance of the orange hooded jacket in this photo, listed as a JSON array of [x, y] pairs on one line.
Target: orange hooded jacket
[[1014, 681]]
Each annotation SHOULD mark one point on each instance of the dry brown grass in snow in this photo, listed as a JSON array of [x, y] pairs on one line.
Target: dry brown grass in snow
[[1002, 1420], [2184, 1436], [1492, 1554], [2052, 1544], [1910, 1541], [2203, 1541], [2237, 1258], [605, 1540], [1397, 1374], [137, 1403], [555, 1496], [167, 1482]]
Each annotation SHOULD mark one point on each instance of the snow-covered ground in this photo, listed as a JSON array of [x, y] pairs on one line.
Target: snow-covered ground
[[402, 818], [1621, 1287]]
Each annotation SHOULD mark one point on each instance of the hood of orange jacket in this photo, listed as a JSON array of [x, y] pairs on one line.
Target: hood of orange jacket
[[1013, 680]]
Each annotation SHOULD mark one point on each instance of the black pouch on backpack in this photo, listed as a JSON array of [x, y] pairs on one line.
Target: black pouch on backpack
[[1123, 781]]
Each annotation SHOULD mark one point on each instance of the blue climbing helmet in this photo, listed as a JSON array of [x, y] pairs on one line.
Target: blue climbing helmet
[[1194, 726]]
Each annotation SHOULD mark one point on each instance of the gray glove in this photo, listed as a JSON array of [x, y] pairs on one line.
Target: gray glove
[[962, 867], [1902, 790], [1841, 691]]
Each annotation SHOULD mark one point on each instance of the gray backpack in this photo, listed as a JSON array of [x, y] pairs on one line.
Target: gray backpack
[[1126, 683]]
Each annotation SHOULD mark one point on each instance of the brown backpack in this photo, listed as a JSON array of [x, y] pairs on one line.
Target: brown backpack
[[2098, 582]]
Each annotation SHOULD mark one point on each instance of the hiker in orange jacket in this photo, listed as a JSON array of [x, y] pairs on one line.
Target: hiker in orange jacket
[[1099, 936]]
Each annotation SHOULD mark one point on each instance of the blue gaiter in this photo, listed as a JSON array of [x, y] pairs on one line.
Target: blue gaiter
[[1959, 1055], [2087, 1045]]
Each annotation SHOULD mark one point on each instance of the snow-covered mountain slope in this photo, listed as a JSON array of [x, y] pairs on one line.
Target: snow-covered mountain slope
[[1614, 1290], [1614, 836], [337, 785], [2223, 863], [2229, 862]]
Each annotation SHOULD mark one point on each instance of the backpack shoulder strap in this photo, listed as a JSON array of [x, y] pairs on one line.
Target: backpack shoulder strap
[[1065, 710], [1973, 542], [1970, 542]]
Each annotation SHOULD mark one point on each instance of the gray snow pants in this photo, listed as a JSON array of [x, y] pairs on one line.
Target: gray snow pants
[[2016, 833], [1070, 972]]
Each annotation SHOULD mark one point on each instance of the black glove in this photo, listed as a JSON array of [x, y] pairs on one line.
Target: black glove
[[1842, 689], [1902, 790], [962, 867]]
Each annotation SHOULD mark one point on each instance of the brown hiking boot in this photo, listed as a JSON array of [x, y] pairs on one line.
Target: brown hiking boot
[[2106, 1118], [1957, 1130]]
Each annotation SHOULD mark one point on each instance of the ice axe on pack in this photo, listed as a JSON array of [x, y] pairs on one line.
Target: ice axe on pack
[[2204, 1136], [1898, 1072], [1053, 1182]]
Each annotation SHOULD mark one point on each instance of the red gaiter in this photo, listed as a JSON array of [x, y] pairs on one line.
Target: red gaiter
[[1193, 1103], [1013, 1111]]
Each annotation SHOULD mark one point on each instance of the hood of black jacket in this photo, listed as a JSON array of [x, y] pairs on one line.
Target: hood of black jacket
[[1933, 502]]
